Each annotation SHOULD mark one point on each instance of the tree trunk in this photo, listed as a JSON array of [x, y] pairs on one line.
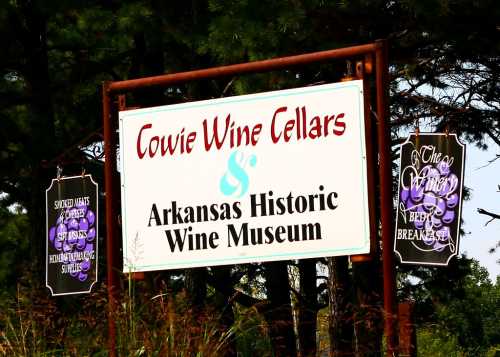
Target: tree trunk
[[225, 306], [368, 319], [279, 313], [196, 287], [196, 292], [32, 29], [308, 308], [340, 323], [147, 61]]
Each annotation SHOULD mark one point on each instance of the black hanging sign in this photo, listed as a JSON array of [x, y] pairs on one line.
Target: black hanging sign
[[430, 199], [71, 241]]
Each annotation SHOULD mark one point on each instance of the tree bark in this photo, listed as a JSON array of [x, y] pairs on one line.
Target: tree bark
[[32, 30], [224, 305], [368, 319], [196, 292], [196, 286], [279, 314], [308, 308], [147, 61], [340, 323]]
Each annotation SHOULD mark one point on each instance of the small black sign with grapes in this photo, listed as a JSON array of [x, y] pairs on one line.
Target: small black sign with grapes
[[71, 240], [430, 199]]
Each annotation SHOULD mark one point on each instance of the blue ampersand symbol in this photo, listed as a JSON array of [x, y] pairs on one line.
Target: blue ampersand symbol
[[236, 170]]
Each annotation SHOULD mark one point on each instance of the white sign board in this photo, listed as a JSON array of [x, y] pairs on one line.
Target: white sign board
[[262, 177]]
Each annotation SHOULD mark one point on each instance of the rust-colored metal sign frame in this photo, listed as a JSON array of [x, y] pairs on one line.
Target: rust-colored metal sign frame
[[378, 50]]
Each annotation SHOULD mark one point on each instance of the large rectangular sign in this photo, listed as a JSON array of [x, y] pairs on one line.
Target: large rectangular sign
[[262, 177]]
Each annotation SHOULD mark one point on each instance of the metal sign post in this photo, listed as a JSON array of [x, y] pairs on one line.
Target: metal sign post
[[112, 89]]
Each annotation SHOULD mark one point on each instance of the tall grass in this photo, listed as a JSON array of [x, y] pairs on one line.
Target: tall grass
[[162, 324], [21, 334]]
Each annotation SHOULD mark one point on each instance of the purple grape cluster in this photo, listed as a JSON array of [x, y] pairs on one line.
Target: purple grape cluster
[[73, 232], [430, 201]]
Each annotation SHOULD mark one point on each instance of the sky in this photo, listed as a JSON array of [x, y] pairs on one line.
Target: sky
[[485, 194]]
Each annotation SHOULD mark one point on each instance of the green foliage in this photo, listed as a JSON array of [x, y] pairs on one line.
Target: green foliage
[[432, 342], [251, 333], [458, 309], [474, 318], [15, 247]]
